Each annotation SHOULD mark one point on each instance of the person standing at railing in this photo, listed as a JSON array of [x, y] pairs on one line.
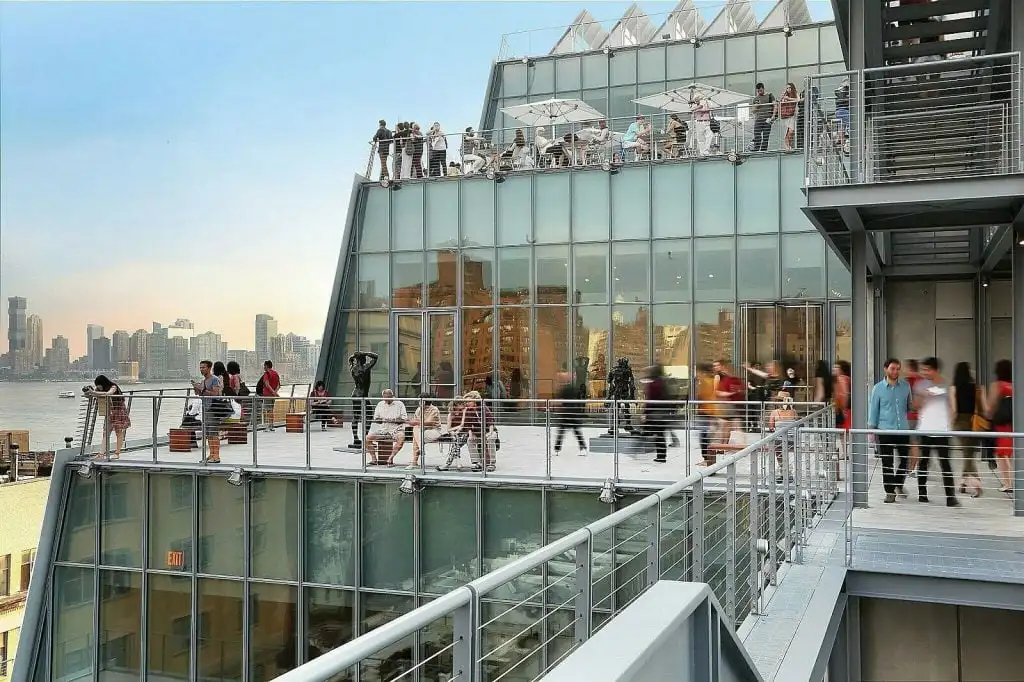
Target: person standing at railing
[[382, 138], [400, 139], [931, 397], [438, 150], [887, 411], [472, 162], [702, 123], [965, 404], [763, 110], [788, 104], [213, 414], [417, 151], [999, 408], [267, 388], [116, 419], [842, 94]]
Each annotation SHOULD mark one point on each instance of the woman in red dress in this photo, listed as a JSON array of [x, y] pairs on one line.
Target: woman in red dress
[[999, 410], [117, 420]]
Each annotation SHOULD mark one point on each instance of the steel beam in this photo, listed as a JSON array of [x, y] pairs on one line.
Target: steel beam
[[996, 249], [1017, 245], [853, 221], [942, 193], [861, 371], [937, 270], [952, 219], [996, 16]]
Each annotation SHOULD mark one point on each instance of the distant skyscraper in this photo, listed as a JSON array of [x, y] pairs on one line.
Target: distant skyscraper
[[266, 329], [58, 355], [205, 346], [34, 339], [138, 350], [156, 364], [17, 334], [177, 355], [120, 346], [99, 354], [92, 332]]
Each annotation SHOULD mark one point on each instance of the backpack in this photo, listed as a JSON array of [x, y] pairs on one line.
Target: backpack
[[243, 390], [1003, 415]]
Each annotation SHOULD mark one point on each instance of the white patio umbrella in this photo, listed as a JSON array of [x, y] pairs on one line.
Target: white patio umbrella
[[553, 111], [678, 100]]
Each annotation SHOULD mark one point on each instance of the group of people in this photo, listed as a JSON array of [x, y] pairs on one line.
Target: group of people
[[920, 399], [410, 144]]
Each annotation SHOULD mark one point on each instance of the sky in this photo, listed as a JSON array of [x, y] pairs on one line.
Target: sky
[[162, 160]]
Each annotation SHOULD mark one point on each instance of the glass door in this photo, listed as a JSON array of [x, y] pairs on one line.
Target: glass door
[[758, 340], [842, 328], [441, 351], [407, 345], [425, 353], [801, 342]]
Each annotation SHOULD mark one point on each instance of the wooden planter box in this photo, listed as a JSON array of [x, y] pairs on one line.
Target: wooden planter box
[[238, 434], [180, 440], [294, 422]]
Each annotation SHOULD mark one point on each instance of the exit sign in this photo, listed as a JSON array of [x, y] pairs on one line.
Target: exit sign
[[175, 559]]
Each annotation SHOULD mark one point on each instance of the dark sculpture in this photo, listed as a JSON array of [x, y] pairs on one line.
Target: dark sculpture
[[359, 365], [621, 387], [581, 366]]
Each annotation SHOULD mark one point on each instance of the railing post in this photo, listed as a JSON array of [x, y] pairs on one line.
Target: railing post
[[697, 531], [615, 440], [654, 544], [584, 596], [798, 505], [254, 420], [309, 428], [772, 507], [463, 638], [730, 542], [547, 439], [753, 516], [156, 419]]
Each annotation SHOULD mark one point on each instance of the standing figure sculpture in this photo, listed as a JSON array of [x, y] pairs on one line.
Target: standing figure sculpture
[[359, 365], [621, 387], [580, 374]]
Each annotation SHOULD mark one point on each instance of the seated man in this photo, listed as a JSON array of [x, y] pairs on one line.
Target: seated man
[[389, 419], [425, 425]]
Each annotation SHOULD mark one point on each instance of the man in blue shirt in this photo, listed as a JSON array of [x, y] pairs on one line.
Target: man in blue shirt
[[890, 402]]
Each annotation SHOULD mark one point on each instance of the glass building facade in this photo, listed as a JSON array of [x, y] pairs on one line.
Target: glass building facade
[[677, 261]]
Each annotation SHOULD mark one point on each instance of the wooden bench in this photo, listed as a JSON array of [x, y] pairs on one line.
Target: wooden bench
[[181, 440], [295, 422], [382, 452], [716, 449]]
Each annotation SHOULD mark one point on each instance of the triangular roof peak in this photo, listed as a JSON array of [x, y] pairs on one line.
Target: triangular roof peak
[[634, 28], [792, 12], [736, 16], [583, 34], [682, 23]]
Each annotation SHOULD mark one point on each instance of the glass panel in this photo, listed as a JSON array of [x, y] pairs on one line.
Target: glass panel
[[511, 526], [514, 275], [387, 537], [552, 349], [672, 339], [631, 203], [123, 502], [442, 278], [442, 214], [590, 340], [771, 50], [513, 79], [441, 353], [590, 206], [839, 284], [680, 58], [714, 332], [775, 83], [390, 663], [741, 82], [373, 281], [78, 538], [375, 219], [272, 630], [595, 72], [515, 205], [73, 637], [273, 528], [843, 322], [793, 199], [568, 512], [477, 347], [714, 269], [630, 331], [831, 48], [449, 560], [803, 266], [631, 263], [374, 337], [478, 273], [621, 107], [408, 354], [171, 506], [567, 73], [801, 337], [407, 279], [330, 620], [621, 68], [407, 218], [739, 53], [514, 346], [541, 77], [671, 200], [120, 624], [169, 612], [758, 195], [759, 335], [710, 58], [803, 47], [551, 207], [650, 64], [347, 327], [330, 532], [713, 202], [597, 98], [552, 274], [758, 268], [672, 270], [590, 273], [220, 630], [477, 213]]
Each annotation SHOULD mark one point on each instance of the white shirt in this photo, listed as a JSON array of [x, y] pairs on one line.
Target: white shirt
[[392, 413], [934, 412]]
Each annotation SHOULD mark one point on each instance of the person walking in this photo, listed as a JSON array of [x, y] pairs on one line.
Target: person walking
[[438, 150], [657, 411], [267, 388], [116, 420], [964, 404], [913, 376], [568, 413], [931, 397], [782, 416], [887, 410], [999, 408], [382, 138], [707, 412]]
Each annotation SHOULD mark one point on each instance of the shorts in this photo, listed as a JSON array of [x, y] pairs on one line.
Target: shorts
[[844, 117], [790, 123]]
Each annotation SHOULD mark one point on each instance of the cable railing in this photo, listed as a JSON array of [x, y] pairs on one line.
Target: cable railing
[[931, 119], [731, 132], [522, 619]]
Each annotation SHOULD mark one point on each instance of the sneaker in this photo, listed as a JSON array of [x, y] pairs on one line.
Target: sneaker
[[583, 452], [476, 467], [952, 502], [556, 452], [890, 498], [490, 467], [660, 460], [922, 498]]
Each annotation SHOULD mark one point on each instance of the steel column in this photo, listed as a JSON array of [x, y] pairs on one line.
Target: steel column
[[1018, 366], [860, 380]]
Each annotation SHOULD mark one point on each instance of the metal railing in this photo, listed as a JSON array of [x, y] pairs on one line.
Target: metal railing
[[727, 130], [660, 27], [520, 439], [924, 120], [522, 619]]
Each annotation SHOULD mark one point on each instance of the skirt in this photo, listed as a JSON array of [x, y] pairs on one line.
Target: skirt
[[1004, 446], [117, 419]]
